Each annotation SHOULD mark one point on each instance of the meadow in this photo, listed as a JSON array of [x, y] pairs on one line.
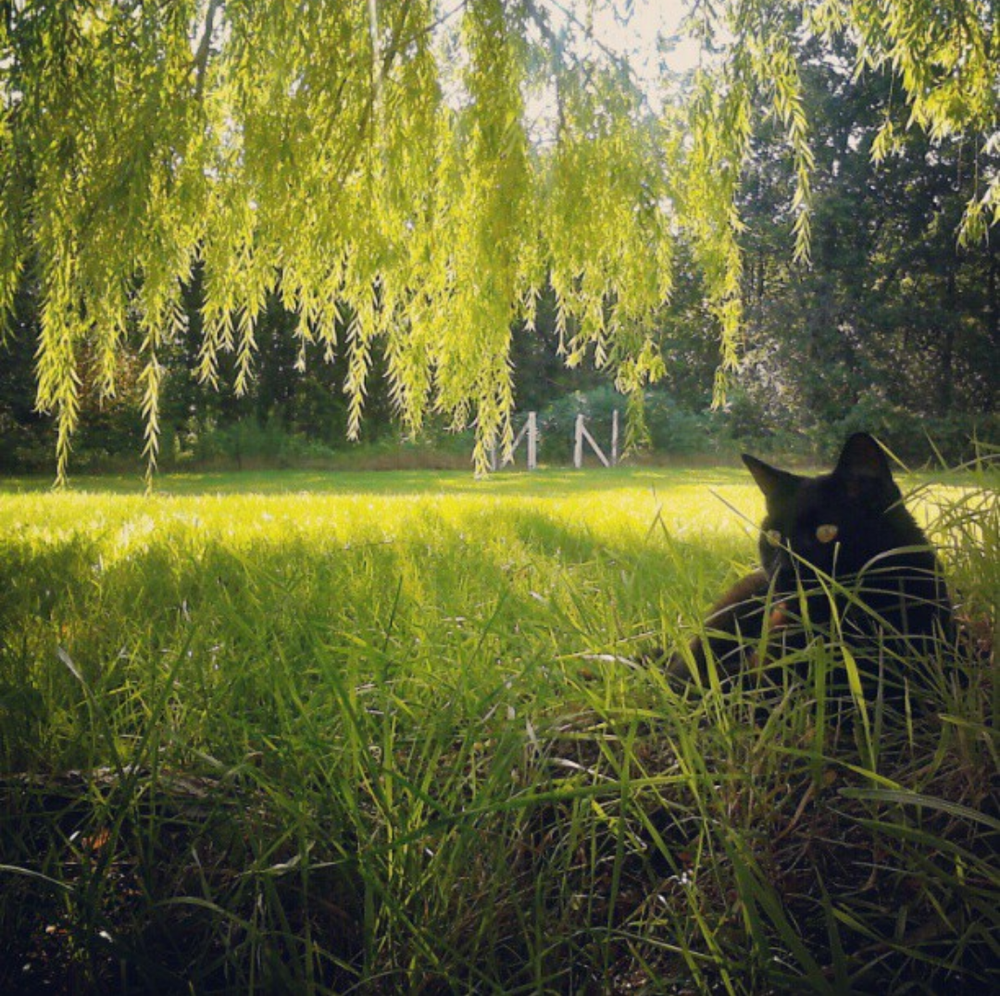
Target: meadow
[[409, 732]]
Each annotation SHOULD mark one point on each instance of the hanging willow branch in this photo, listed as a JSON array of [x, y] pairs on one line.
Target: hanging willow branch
[[373, 161]]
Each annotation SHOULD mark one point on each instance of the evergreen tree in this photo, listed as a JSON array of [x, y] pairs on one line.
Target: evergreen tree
[[375, 158]]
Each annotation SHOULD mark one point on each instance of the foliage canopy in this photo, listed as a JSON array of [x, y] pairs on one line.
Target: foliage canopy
[[414, 171]]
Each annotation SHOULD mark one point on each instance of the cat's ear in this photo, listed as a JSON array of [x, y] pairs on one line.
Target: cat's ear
[[773, 482], [864, 466], [862, 456]]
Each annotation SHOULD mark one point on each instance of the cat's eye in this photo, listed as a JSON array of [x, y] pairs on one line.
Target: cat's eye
[[826, 533], [773, 537]]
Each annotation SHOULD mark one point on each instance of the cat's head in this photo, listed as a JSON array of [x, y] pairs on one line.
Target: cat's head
[[835, 523]]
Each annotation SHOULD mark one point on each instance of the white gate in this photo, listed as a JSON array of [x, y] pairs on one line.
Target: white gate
[[529, 431], [582, 433]]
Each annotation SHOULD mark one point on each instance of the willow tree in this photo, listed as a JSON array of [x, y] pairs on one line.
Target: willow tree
[[408, 174]]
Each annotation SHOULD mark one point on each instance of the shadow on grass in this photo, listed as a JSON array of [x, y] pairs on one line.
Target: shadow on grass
[[307, 765], [546, 482]]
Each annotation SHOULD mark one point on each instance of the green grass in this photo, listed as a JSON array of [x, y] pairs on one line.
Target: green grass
[[546, 482], [387, 732]]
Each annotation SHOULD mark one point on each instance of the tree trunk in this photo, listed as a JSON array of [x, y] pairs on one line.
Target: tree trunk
[[946, 380], [993, 320]]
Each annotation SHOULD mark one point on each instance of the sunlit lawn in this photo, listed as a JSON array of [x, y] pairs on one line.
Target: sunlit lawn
[[545, 481], [394, 730]]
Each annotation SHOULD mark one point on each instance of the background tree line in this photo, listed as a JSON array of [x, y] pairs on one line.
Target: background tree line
[[892, 326]]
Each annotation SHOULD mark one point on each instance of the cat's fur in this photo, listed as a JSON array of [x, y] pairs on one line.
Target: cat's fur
[[841, 557]]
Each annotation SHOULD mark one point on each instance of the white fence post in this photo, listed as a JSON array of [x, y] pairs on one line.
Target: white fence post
[[582, 433], [593, 445], [529, 429]]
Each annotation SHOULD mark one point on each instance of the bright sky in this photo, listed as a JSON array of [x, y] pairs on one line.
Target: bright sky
[[632, 30], [637, 38]]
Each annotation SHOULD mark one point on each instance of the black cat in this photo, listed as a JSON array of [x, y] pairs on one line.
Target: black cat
[[841, 557]]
